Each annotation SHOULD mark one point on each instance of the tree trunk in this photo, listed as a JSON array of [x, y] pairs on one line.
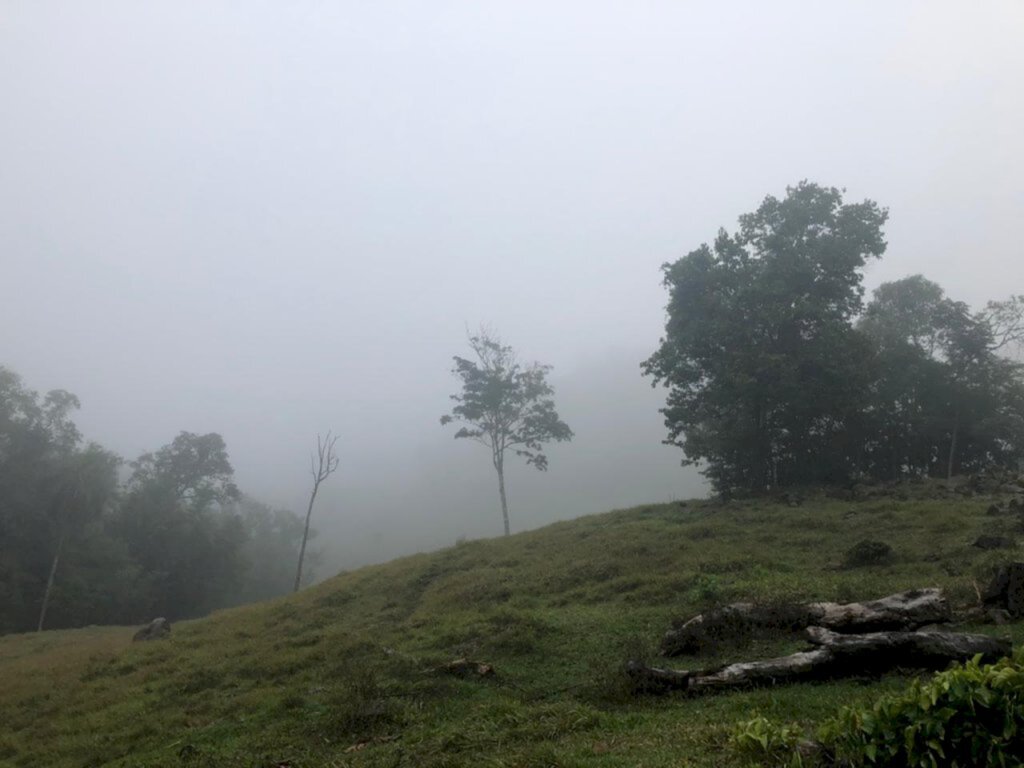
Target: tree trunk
[[835, 655], [305, 536], [500, 466], [901, 611], [952, 448], [49, 583]]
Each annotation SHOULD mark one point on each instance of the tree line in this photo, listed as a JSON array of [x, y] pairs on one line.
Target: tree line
[[86, 538], [779, 375], [777, 372]]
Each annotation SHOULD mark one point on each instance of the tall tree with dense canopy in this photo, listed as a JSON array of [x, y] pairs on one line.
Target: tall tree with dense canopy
[[763, 367], [505, 406], [177, 524], [52, 492], [83, 484], [942, 400], [77, 548]]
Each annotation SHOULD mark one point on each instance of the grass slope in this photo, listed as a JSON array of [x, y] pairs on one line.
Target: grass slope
[[342, 674]]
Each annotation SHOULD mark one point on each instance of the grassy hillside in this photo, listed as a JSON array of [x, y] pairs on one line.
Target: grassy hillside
[[344, 674]]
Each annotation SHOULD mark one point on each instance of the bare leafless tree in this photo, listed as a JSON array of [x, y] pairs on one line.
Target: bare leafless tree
[[321, 465]]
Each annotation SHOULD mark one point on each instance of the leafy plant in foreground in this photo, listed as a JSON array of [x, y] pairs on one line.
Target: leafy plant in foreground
[[968, 715]]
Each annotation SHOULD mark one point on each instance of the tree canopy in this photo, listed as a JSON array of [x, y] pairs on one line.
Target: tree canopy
[[79, 546], [505, 406], [777, 375]]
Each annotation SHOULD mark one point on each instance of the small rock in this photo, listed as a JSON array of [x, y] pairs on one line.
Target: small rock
[[867, 552], [156, 629]]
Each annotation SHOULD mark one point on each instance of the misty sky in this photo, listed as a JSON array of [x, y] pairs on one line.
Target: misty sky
[[267, 219]]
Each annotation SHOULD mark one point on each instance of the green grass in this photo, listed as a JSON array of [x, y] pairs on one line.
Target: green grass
[[343, 674]]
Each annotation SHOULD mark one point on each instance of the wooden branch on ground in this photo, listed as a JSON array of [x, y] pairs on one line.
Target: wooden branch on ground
[[834, 655], [903, 611]]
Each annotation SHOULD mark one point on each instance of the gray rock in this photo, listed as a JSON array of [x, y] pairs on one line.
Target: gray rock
[[156, 629]]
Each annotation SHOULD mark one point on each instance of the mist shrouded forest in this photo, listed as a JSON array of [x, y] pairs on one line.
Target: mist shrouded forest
[[511, 384], [780, 374]]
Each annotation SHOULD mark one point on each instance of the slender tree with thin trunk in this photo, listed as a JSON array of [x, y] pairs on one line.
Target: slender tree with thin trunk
[[321, 465], [505, 407], [84, 484]]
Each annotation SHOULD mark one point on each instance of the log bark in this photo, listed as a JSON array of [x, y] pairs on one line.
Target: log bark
[[1006, 591], [902, 611], [882, 651], [834, 655]]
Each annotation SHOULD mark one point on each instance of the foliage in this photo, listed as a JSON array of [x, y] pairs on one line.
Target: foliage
[[51, 489], [505, 406], [77, 547], [176, 527], [763, 742], [269, 551], [776, 378], [763, 366], [972, 714], [941, 400]]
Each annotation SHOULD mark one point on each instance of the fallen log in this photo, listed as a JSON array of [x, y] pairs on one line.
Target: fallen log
[[657, 679], [835, 655], [903, 611], [882, 651]]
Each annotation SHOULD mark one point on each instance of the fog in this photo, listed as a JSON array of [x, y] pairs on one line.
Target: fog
[[273, 219]]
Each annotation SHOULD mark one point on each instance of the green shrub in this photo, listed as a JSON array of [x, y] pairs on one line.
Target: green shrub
[[969, 715], [759, 741], [867, 552]]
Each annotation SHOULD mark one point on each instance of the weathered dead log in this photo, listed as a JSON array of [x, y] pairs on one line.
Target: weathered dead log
[[835, 655], [805, 665], [902, 611], [657, 679], [877, 652]]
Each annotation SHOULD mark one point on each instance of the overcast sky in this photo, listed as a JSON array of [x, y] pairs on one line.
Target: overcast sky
[[267, 219]]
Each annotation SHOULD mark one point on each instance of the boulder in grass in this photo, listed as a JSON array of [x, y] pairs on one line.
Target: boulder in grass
[[156, 629], [867, 553]]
